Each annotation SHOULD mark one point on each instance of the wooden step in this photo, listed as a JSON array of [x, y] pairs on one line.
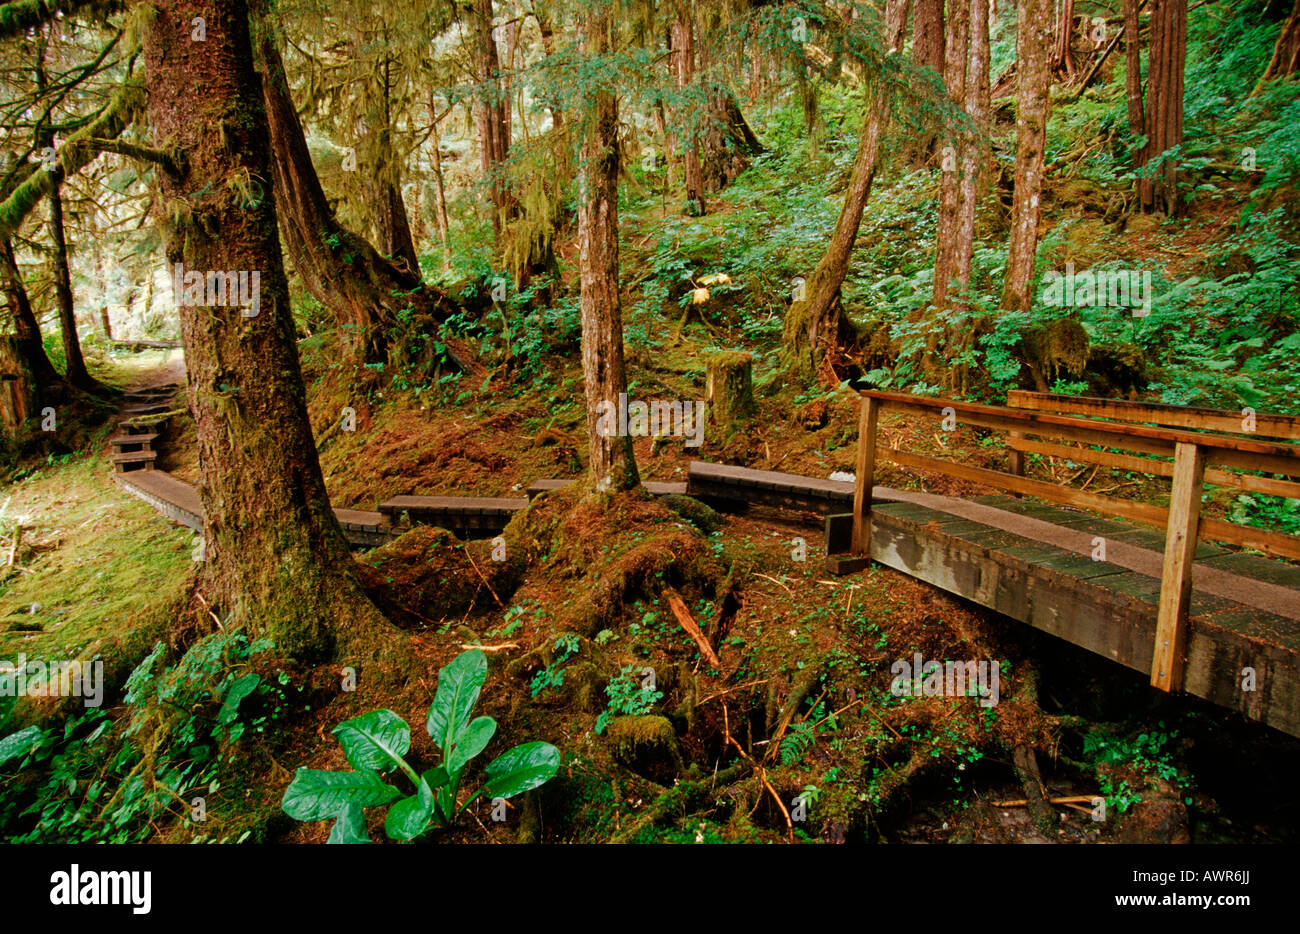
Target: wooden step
[[143, 437], [139, 460], [148, 409]]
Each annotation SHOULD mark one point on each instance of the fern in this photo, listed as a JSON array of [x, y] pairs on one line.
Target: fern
[[795, 745]]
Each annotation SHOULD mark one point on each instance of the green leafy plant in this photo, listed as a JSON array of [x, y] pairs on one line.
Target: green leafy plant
[[626, 696], [377, 743], [552, 676]]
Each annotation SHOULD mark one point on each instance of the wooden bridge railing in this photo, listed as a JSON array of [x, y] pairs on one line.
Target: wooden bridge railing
[[1197, 458]]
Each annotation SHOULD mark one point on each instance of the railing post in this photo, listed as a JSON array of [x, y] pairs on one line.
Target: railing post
[[1176, 580], [1017, 459], [868, 415]]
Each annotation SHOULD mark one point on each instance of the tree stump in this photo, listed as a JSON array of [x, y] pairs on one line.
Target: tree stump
[[18, 401], [729, 387]]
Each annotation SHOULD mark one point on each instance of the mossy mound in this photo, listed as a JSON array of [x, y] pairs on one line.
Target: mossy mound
[[427, 576]]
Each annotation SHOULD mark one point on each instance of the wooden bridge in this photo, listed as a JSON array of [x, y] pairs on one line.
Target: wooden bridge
[[1170, 603]]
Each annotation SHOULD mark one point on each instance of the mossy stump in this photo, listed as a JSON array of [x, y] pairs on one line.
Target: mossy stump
[[729, 387]]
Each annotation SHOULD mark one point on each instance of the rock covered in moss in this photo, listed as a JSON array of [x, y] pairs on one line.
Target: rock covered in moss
[[703, 517]]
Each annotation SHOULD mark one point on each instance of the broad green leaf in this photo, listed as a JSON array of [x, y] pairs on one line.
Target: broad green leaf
[[437, 777], [471, 741], [316, 795], [376, 740], [458, 685], [521, 769], [235, 695], [409, 818], [20, 743], [350, 827]]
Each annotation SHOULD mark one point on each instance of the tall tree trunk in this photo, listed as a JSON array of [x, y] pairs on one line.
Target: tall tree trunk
[[492, 116], [961, 333], [1137, 123], [977, 108], [816, 324], [957, 49], [340, 269], [1064, 60], [613, 465], [1286, 53], [27, 330], [74, 363], [930, 42], [683, 39], [440, 213], [275, 557], [392, 223], [1164, 106], [929, 48], [1033, 54], [896, 24]]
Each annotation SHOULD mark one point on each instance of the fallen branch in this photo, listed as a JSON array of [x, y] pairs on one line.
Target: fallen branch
[[774, 580], [738, 687], [678, 606], [1067, 799]]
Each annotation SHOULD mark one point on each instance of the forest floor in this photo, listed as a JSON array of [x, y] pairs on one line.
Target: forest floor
[[97, 564]]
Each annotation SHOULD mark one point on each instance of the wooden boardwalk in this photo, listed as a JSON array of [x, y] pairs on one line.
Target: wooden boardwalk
[[179, 501]]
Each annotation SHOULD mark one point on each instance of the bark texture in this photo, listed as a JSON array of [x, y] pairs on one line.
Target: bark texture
[[1164, 107], [1033, 49], [612, 463]]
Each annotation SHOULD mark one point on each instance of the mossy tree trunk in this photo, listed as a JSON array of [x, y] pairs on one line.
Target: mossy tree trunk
[[729, 143], [27, 330], [612, 463], [276, 559], [74, 363]]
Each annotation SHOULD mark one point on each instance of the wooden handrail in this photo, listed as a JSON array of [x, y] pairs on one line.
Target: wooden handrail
[[1065, 426], [1267, 424], [1191, 452]]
